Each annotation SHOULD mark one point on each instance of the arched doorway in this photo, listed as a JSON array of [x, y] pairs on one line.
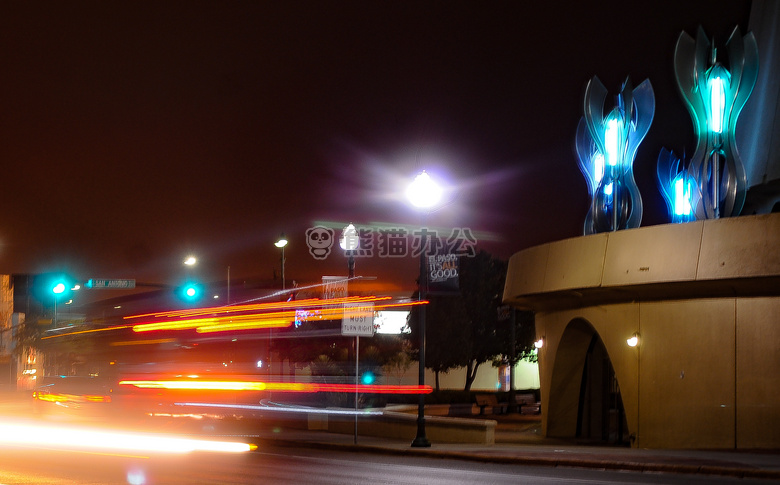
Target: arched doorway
[[585, 400], [600, 414]]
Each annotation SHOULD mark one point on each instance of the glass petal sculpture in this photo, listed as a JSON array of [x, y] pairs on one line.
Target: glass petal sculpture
[[715, 96], [606, 147], [677, 186]]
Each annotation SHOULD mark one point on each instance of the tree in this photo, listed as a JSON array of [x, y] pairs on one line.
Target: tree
[[462, 330]]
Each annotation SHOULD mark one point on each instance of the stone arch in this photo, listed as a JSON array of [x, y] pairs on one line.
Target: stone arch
[[585, 400]]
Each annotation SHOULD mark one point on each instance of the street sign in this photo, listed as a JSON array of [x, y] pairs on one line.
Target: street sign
[[334, 287], [111, 284], [358, 320]]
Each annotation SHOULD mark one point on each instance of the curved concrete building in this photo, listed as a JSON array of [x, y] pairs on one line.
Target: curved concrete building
[[703, 300]]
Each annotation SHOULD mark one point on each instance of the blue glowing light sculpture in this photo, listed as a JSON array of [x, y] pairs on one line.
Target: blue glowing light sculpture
[[678, 187], [606, 147], [715, 96]]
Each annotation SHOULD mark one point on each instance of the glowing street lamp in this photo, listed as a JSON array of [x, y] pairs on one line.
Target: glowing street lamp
[[424, 193], [349, 242]]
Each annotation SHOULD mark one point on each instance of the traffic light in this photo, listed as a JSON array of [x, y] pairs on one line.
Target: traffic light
[[53, 287], [367, 378], [191, 291]]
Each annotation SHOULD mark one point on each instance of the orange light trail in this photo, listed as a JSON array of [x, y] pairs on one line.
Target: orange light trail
[[123, 343], [118, 327], [276, 386], [257, 320], [258, 307], [278, 319], [58, 397]]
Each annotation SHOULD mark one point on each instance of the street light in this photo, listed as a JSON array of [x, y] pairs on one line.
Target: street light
[[281, 243], [349, 242], [424, 194]]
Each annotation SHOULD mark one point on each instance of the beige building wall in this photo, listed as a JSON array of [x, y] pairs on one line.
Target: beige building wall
[[704, 299], [758, 373]]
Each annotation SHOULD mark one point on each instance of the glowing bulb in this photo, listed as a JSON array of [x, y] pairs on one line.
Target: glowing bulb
[[612, 141], [423, 192], [633, 341], [717, 104], [682, 197], [539, 343], [349, 238]]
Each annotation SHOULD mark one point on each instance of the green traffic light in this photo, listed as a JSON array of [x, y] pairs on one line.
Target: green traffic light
[[191, 292]]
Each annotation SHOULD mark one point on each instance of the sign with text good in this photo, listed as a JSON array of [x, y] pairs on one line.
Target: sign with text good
[[358, 320], [443, 271]]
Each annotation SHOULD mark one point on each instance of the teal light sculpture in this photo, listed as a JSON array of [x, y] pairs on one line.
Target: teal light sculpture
[[715, 96], [606, 147], [679, 189]]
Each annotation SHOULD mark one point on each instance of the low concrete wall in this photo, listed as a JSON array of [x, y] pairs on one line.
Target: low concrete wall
[[403, 426], [400, 422]]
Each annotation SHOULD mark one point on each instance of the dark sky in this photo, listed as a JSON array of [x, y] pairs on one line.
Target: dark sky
[[132, 133]]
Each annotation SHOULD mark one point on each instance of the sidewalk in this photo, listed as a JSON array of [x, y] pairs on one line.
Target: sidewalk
[[519, 442]]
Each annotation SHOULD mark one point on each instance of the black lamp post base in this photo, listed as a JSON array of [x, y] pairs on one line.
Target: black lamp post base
[[421, 442]]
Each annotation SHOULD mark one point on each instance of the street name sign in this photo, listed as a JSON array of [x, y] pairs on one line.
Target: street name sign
[[334, 287], [358, 320], [111, 284]]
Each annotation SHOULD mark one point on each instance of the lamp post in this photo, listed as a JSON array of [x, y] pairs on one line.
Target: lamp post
[[424, 194], [349, 242], [281, 243]]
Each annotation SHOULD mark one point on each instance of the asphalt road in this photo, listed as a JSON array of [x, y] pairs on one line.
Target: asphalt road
[[284, 465]]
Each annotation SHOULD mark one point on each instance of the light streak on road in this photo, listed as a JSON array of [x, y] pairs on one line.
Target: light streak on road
[[283, 409], [73, 438], [275, 386]]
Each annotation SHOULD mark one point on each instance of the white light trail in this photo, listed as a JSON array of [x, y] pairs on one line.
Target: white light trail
[[72, 438]]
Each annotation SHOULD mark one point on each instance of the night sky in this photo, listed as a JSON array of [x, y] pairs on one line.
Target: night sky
[[133, 133]]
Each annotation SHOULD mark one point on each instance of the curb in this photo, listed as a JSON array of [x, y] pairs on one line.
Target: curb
[[595, 464]]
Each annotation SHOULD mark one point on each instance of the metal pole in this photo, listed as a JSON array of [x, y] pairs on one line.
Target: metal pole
[[283, 282], [513, 322], [716, 184], [357, 353], [421, 441]]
